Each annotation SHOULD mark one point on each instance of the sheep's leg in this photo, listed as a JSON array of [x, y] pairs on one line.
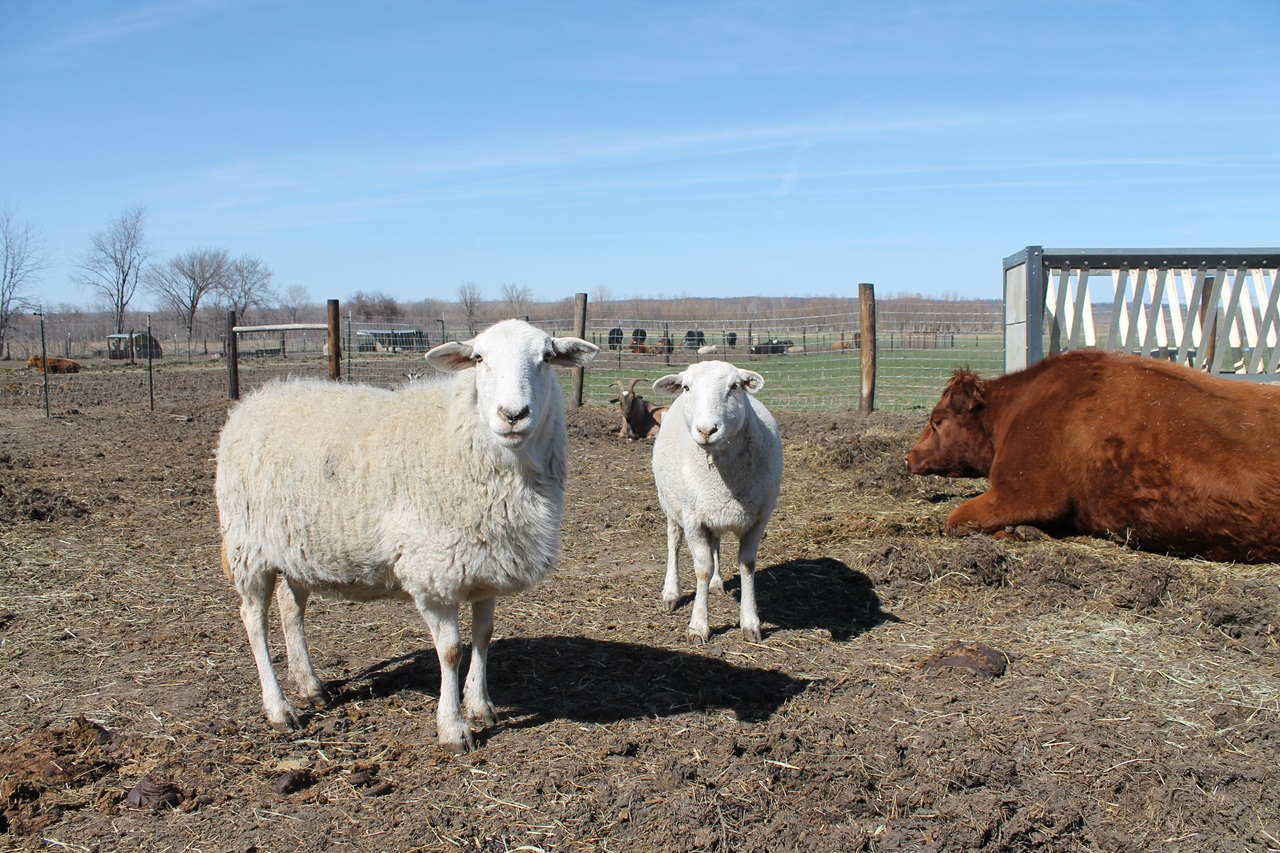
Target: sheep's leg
[[717, 582], [671, 586], [748, 547], [701, 547], [453, 733], [255, 594], [292, 601], [475, 695]]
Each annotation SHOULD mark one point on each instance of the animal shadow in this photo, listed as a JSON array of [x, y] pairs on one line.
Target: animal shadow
[[820, 593], [539, 679]]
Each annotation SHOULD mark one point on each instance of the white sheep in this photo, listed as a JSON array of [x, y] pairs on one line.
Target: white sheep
[[442, 492], [717, 463]]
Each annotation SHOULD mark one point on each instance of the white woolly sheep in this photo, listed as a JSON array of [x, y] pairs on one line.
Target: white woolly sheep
[[442, 492], [717, 464]]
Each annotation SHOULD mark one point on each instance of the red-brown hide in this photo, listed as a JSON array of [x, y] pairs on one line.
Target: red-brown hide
[[1154, 454], [54, 364]]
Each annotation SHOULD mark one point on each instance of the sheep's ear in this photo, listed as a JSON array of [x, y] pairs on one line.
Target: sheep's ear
[[452, 357], [751, 380], [670, 384], [573, 352]]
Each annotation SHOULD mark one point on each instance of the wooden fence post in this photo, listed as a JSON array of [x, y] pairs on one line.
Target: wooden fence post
[[335, 342], [233, 357], [867, 311], [579, 331]]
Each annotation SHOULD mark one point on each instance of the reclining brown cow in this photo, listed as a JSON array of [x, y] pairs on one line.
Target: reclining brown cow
[[53, 364], [1159, 456]]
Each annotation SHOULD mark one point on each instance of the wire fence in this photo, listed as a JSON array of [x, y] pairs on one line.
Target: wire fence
[[810, 363]]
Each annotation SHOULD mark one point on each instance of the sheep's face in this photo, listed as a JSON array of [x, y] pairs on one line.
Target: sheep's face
[[715, 399], [515, 377]]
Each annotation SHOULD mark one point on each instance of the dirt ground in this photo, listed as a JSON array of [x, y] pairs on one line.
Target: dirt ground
[[1132, 701]]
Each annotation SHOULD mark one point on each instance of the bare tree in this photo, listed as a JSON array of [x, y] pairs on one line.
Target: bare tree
[[294, 299], [182, 282], [470, 304], [517, 297], [601, 293], [112, 265], [248, 285], [374, 305], [24, 259]]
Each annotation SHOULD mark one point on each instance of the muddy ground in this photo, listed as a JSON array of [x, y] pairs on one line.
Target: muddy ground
[[1131, 703]]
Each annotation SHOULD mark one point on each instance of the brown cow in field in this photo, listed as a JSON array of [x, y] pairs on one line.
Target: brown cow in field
[[54, 364], [1159, 456]]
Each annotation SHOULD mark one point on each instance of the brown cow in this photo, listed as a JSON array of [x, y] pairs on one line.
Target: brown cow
[[53, 364], [1154, 454]]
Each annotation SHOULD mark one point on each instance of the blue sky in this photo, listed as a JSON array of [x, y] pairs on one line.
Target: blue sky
[[650, 148]]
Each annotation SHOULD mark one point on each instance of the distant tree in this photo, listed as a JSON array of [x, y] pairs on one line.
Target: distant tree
[[517, 297], [375, 305], [24, 260], [470, 304], [247, 286], [293, 300], [113, 264], [182, 282], [601, 293]]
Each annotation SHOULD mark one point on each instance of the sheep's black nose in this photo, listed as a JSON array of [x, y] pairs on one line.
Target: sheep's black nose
[[512, 417]]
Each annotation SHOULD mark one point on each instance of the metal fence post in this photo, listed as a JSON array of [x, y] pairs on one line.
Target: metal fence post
[[579, 331]]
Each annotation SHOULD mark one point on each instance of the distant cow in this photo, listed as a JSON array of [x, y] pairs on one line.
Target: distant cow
[[1156, 455], [638, 337], [53, 364], [615, 338], [731, 339], [774, 346]]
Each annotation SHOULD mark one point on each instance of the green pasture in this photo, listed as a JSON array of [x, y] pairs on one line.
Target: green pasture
[[821, 381]]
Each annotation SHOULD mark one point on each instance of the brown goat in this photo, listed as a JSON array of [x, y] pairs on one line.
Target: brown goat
[[640, 418]]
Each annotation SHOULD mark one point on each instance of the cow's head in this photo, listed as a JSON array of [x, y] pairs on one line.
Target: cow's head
[[957, 442]]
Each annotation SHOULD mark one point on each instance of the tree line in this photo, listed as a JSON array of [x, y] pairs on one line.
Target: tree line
[[119, 262]]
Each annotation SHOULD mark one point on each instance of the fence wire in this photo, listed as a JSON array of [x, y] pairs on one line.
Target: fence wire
[[809, 363]]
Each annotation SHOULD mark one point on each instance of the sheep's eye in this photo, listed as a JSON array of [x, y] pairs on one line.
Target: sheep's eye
[[684, 387], [547, 356], [479, 358]]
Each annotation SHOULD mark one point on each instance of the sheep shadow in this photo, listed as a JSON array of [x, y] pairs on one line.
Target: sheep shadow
[[818, 593], [540, 679]]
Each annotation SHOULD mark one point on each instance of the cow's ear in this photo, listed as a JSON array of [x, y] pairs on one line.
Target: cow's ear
[[978, 396]]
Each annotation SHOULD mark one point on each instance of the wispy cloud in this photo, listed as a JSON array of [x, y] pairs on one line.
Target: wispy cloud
[[105, 30]]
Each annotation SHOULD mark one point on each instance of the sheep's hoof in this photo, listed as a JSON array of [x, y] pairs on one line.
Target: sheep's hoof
[[699, 636], [317, 698], [483, 718], [671, 602], [716, 585], [287, 723], [459, 745], [753, 634]]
